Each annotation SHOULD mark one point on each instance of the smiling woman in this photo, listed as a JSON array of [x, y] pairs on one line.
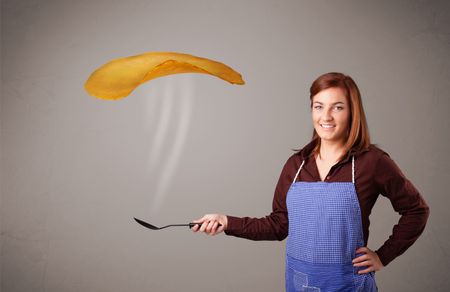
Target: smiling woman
[[339, 91], [325, 195]]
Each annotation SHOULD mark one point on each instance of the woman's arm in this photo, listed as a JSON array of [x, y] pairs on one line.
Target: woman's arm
[[407, 201]]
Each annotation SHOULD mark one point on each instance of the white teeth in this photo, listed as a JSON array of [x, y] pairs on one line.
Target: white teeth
[[327, 126]]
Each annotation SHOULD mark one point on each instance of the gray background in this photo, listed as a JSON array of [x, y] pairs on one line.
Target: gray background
[[75, 170]]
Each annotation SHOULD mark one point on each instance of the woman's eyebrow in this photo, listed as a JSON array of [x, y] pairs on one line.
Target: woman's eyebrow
[[334, 103]]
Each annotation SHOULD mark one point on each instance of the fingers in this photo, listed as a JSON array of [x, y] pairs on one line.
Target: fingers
[[196, 227], [369, 259], [361, 258], [209, 227], [368, 270], [211, 224], [362, 249], [363, 264]]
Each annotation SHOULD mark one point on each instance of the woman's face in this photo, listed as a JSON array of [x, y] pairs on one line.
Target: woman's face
[[331, 115]]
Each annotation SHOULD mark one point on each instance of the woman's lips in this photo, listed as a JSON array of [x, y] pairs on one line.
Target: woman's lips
[[327, 126]]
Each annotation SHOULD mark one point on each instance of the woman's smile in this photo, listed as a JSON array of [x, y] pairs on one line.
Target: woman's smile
[[328, 126]]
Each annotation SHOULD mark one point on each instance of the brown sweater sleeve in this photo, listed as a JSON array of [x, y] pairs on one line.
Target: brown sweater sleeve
[[275, 225], [405, 200]]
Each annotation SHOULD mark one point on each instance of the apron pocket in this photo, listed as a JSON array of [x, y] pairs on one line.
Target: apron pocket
[[298, 282]]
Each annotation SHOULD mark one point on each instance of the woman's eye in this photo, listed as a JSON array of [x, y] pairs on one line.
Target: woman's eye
[[338, 108], [317, 107]]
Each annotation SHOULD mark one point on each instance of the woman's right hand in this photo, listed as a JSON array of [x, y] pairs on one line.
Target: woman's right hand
[[211, 224]]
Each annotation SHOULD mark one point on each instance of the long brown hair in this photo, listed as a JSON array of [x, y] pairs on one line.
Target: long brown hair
[[358, 138]]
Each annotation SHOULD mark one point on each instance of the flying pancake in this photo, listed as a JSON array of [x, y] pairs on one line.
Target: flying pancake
[[119, 77]]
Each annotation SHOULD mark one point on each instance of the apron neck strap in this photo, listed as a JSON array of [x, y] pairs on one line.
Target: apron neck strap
[[300, 168], [353, 169]]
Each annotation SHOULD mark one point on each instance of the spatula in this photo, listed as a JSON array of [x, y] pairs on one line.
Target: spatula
[[153, 227]]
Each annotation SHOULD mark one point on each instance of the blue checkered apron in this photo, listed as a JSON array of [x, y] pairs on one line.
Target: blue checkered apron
[[324, 232]]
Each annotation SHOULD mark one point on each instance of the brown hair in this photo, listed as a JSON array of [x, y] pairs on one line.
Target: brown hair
[[358, 138]]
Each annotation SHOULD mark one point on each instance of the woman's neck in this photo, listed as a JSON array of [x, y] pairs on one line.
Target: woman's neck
[[330, 151]]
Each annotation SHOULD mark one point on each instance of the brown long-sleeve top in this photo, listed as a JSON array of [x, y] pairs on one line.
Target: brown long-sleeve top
[[375, 173]]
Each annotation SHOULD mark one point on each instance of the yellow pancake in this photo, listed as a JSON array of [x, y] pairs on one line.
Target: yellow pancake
[[118, 78]]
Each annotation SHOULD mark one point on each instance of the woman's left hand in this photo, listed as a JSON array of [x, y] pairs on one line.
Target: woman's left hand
[[369, 259]]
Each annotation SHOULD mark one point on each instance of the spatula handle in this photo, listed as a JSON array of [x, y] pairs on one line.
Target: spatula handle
[[199, 225]]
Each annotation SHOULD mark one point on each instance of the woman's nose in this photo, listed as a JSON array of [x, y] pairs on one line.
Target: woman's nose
[[327, 116]]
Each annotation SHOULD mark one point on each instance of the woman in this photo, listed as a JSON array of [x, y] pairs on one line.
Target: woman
[[326, 192]]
